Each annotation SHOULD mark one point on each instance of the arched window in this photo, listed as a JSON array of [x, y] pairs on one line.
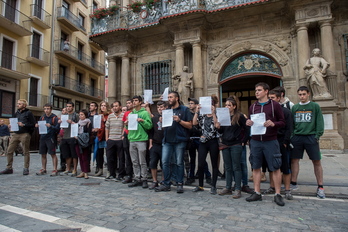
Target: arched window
[[250, 64]]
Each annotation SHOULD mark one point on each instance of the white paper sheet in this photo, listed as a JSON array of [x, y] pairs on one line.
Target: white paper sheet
[[97, 121], [223, 116], [167, 117], [258, 127], [14, 124], [148, 96], [165, 94], [74, 130], [205, 103], [132, 122], [42, 127], [64, 123]]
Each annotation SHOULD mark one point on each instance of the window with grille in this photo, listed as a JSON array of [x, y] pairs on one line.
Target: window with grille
[[59, 102], [157, 76]]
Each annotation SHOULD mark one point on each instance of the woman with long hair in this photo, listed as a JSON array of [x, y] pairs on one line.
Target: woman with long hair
[[84, 152], [209, 142], [233, 137], [104, 111]]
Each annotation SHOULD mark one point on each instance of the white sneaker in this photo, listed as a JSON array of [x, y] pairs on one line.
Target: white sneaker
[[320, 193]]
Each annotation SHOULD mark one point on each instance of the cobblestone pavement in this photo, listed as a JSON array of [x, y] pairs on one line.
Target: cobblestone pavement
[[44, 203]]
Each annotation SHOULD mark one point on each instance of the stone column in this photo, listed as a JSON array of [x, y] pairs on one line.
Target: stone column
[[112, 80], [303, 51], [179, 58], [328, 53], [197, 70], [125, 4], [125, 81]]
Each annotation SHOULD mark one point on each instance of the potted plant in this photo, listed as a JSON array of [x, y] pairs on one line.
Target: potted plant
[[136, 6], [103, 12]]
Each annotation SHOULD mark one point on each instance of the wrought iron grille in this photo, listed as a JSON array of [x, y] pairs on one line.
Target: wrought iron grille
[[346, 49], [250, 63], [157, 76]]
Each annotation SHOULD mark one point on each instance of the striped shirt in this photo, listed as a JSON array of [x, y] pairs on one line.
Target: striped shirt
[[114, 124]]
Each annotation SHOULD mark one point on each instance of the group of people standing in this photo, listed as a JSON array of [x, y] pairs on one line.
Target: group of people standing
[[133, 151]]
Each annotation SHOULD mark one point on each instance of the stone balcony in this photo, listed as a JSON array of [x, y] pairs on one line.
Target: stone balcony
[[150, 16]]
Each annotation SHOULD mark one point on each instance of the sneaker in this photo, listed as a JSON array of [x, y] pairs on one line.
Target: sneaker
[[162, 188], [263, 177], [198, 189], [213, 190], [180, 188], [41, 172], [145, 184], [127, 180], [65, 173], [54, 173], [225, 191], [270, 190], [73, 174], [153, 185], [25, 171], [119, 178], [135, 184], [109, 178], [293, 187], [7, 171], [320, 193], [247, 189], [288, 195], [189, 181], [278, 199], [96, 170], [99, 173], [254, 197], [208, 180], [237, 194]]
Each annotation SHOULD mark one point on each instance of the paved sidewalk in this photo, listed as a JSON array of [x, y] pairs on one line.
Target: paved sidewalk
[[38, 203]]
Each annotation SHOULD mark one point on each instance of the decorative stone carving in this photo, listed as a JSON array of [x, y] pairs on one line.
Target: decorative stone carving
[[283, 62], [247, 45], [315, 70], [267, 48], [183, 83], [215, 51]]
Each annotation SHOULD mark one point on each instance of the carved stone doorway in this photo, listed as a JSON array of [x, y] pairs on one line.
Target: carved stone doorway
[[244, 88]]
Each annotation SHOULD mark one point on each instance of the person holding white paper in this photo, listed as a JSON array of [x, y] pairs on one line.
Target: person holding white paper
[[233, 138], [26, 123], [137, 141], [48, 141], [84, 153], [266, 147], [209, 142], [68, 143], [174, 143]]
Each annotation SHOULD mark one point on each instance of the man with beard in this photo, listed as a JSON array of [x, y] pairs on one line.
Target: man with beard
[[174, 143]]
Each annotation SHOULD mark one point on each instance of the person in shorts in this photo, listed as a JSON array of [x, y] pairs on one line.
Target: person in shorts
[[48, 142], [265, 146], [308, 128]]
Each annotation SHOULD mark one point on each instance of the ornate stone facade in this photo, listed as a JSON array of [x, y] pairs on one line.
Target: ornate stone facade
[[208, 36]]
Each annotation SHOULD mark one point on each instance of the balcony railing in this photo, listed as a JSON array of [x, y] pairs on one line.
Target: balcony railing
[[74, 85], [37, 100], [76, 53], [41, 54], [14, 63], [10, 15], [41, 14], [65, 13], [132, 20]]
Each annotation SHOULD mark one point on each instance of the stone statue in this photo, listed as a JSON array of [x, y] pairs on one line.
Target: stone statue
[[183, 83], [315, 70]]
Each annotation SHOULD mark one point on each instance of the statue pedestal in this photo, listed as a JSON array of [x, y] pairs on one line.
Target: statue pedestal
[[331, 139]]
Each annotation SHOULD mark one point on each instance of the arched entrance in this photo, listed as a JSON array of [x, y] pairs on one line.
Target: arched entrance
[[241, 74]]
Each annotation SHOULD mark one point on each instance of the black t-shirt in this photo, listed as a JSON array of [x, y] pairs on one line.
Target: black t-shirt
[[177, 133]]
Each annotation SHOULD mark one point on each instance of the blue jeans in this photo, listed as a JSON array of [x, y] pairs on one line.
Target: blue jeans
[[174, 151], [232, 160]]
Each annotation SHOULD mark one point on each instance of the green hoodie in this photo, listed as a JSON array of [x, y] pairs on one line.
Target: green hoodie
[[143, 127], [308, 119]]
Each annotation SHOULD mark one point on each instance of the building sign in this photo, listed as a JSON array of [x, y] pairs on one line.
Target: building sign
[[7, 84]]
